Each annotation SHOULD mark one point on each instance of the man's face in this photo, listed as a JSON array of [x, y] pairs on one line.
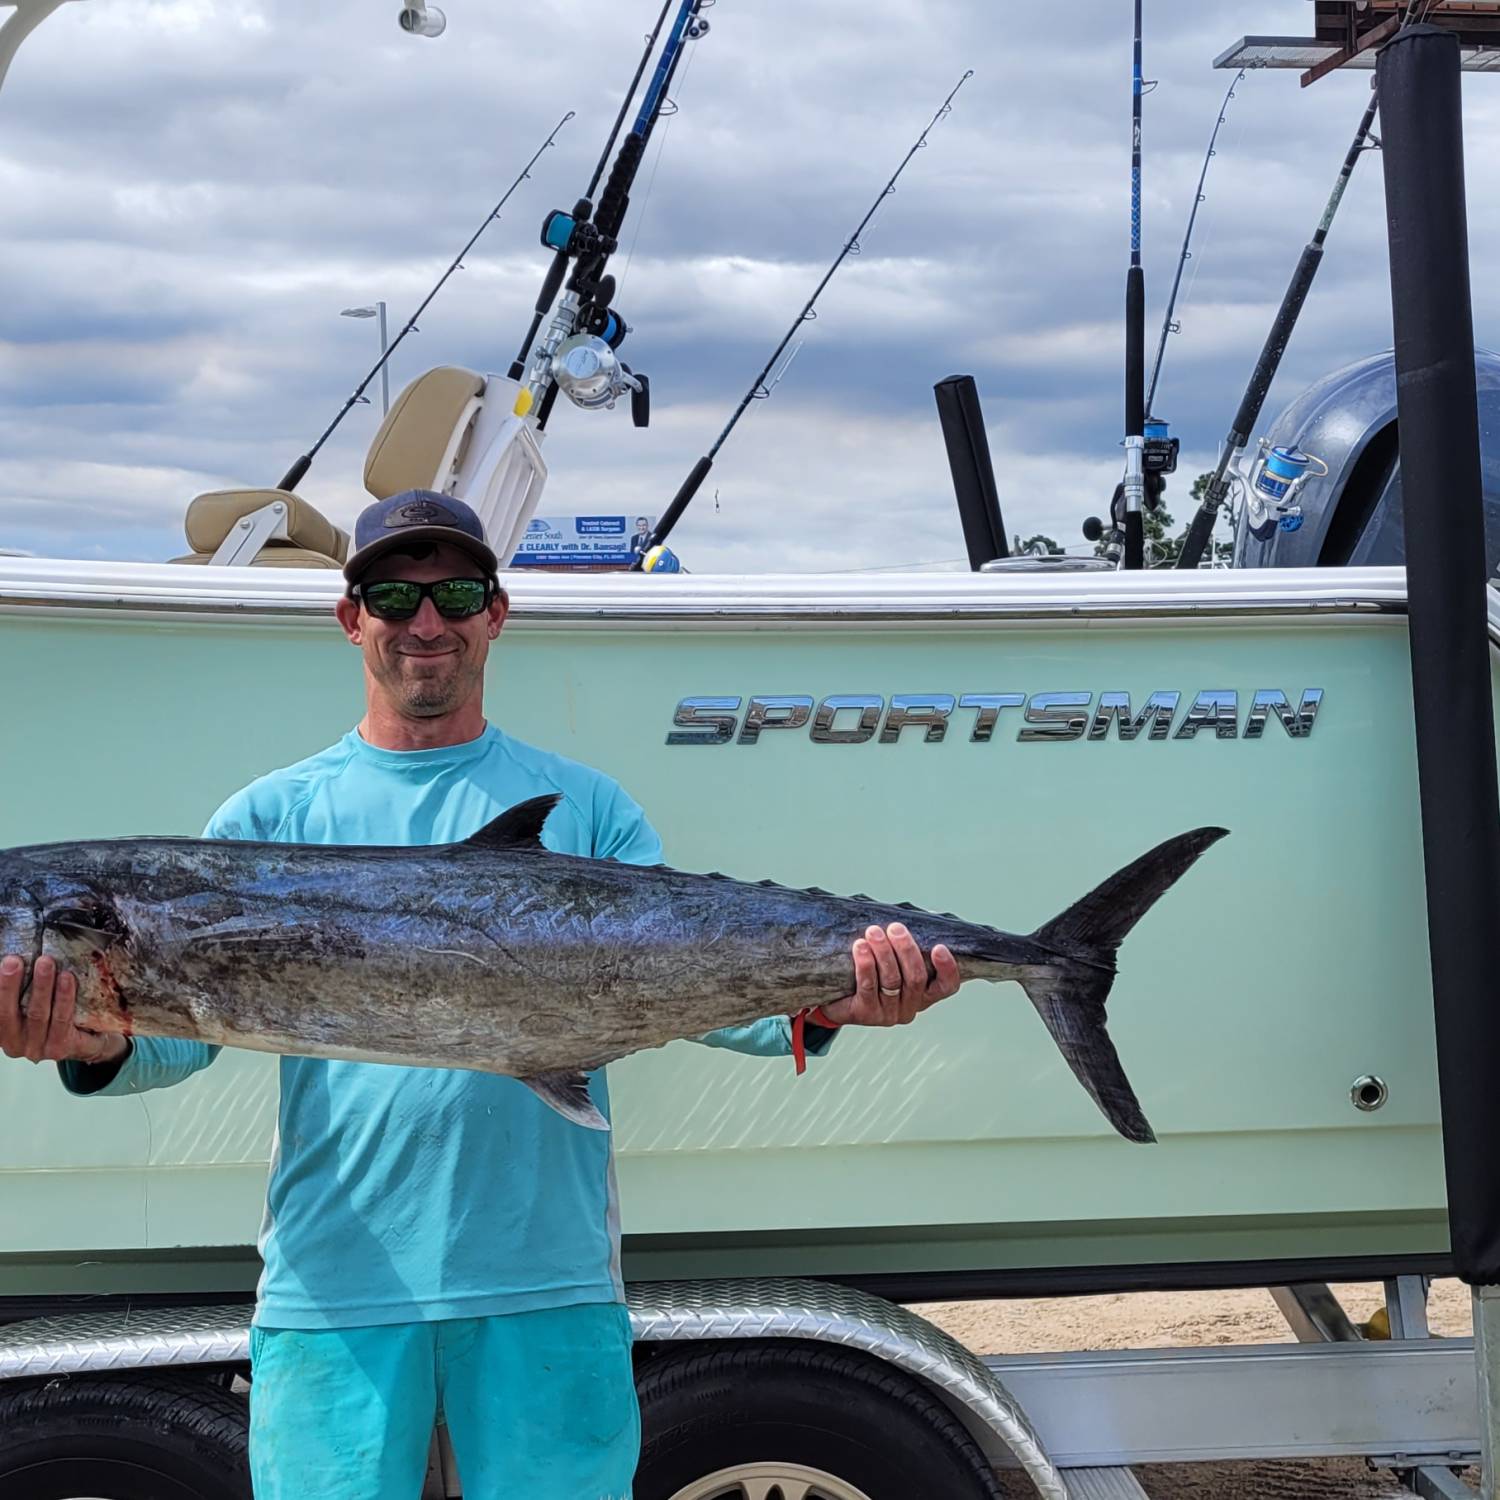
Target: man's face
[[426, 666]]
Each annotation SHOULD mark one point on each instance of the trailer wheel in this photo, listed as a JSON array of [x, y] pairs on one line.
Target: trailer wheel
[[799, 1422], [171, 1438]]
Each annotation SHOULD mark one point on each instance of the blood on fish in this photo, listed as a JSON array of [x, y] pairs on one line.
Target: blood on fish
[[111, 988]]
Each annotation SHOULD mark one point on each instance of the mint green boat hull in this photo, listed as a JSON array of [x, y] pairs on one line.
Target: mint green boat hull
[[1291, 962]]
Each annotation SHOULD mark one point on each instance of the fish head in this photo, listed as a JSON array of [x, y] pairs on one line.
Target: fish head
[[20, 911], [78, 920]]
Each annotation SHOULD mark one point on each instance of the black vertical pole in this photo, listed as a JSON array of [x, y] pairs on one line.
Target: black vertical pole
[[1135, 336], [1436, 405], [972, 468]]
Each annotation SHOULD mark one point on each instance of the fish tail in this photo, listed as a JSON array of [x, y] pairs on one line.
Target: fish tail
[[1070, 996]]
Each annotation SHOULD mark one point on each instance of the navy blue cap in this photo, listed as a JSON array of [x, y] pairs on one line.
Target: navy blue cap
[[412, 516]]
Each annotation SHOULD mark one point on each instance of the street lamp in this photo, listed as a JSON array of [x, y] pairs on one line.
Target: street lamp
[[378, 311], [19, 24]]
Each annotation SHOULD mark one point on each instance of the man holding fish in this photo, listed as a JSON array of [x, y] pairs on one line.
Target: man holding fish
[[436, 1238]]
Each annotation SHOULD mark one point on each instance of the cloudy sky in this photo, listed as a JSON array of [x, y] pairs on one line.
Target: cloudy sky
[[191, 190]]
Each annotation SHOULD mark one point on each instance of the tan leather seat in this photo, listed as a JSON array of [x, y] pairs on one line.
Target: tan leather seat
[[309, 539], [273, 555], [424, 433]]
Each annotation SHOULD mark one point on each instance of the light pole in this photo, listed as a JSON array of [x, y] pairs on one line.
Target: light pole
[[378, 311]]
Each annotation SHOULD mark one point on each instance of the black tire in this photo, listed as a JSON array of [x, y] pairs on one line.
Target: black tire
[[846, 1415], [137, 1438]]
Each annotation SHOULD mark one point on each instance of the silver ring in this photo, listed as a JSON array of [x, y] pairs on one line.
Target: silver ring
[[885, 991]]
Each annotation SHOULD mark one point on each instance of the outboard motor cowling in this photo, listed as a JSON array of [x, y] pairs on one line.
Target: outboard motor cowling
[[1289, 515]]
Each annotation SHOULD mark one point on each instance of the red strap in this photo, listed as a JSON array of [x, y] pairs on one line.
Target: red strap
[[799, 1033]]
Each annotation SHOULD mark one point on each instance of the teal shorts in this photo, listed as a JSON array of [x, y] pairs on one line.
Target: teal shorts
[[539, 1405]]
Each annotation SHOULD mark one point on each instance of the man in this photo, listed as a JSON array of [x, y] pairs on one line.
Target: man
[[641, 537], [434, 1238]]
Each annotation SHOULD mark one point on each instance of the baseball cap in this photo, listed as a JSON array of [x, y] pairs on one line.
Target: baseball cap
[[413, 516]]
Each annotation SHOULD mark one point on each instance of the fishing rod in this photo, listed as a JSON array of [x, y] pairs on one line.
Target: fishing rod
[[293, 476], [759, 390], [1135, 338], [1264, 373], [552, 282], [577, 353], [1167, 325]]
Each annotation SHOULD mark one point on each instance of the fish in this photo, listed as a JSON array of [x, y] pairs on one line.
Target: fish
[[500, 955]]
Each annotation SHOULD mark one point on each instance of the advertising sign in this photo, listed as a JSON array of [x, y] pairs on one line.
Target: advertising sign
[[582, 541]]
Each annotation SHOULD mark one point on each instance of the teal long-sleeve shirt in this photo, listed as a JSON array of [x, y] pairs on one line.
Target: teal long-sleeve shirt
[[401, 1194]]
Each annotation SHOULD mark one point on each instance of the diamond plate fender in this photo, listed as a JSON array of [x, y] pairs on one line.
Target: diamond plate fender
[[679, 1311], [676, 1311]]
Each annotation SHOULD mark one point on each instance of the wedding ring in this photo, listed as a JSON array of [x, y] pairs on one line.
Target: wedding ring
[[885, 991]]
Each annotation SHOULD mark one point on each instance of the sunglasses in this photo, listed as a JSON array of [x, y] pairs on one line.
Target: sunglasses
[[398, 599]]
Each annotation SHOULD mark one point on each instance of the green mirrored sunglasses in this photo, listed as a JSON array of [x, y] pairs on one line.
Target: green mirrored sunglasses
[[400, 599]]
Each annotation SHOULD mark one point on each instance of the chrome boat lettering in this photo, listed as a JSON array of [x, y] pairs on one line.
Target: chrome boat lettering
[[931, 709], [774, 713], [869, 706], [1115, 707], [989, 706], [1299, 724], [1050, 717], [703, 722], [1219, 711]]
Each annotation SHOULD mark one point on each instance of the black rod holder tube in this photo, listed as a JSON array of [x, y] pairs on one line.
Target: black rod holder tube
[[1135, 404], [973, 471], [1437, 408]]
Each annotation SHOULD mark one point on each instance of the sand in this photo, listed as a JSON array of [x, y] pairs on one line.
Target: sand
[[1145, 1320]]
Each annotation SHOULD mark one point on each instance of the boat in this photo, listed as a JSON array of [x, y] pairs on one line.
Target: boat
[[992, 743]]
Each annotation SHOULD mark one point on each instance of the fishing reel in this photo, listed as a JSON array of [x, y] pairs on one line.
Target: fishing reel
[[590, 374], [575, 233], [604, 322], [1161, 450], [1272, 491], [1113, 536]]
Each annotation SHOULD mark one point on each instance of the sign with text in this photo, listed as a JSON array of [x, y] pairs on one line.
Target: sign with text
[[582, 541]]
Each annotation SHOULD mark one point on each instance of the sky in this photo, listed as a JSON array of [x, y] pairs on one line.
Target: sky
[[192, 190]]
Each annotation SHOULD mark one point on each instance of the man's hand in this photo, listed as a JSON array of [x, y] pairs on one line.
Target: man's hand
[[890, 980], [46, 1032]]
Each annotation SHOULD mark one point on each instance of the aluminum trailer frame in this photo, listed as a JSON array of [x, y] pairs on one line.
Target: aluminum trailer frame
[[1075, 1423]]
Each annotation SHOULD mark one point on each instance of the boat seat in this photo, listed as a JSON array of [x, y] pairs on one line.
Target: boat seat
[[263, 529], [422, 438]]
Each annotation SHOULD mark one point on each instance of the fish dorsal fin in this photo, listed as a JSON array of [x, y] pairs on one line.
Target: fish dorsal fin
[[923, 911], [518, 827]]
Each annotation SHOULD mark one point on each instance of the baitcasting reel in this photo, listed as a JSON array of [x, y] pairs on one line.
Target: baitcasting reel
[[1275, 482]]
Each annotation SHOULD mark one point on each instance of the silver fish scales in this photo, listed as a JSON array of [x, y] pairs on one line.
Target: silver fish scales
[[499, 955]]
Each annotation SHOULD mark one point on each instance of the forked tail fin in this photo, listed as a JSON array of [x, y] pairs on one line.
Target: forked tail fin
[[1070, 998]]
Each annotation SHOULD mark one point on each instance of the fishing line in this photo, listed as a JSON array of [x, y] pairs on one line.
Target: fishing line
[[146, 1178], [675, 102], [1168, 327], [1202, 524], [759, 389], [293, 476], [614, 134], [584, 324], [1211, 218]]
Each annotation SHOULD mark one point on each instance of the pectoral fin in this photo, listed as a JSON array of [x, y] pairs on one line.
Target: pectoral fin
[[568, 1094], [83, 925]]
